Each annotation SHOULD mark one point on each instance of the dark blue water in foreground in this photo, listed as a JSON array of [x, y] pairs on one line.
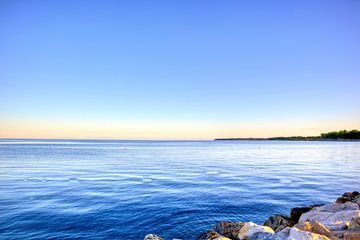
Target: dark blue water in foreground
[[69, 189]]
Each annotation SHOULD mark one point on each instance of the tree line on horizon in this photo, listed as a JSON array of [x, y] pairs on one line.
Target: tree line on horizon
[[343, 134], [334, 135]]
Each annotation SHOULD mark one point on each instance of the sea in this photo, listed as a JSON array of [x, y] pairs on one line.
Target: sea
[[117, 189]]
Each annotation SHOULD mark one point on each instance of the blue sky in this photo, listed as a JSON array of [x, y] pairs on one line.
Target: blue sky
[[178, 69]]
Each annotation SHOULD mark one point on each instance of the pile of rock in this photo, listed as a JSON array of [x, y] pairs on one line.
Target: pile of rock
[[339, 220]]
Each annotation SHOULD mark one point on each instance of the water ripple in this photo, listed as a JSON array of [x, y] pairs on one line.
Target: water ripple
[[124, 189]]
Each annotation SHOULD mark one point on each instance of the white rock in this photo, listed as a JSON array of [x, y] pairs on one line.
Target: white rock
[[333, 216], [297, 234], [251, 228], [245, 229], [152, 237]]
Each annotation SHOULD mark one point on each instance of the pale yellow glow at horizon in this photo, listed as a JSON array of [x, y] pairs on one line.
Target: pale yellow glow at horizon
[[171, 131]]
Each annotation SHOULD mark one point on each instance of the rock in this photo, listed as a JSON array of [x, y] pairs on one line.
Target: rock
[[152, 237], [297, 234], [283, 234], [262, 236], [341, 233], [352, 236], [304, 226], [212, 235], [351, 195], [250, 228], [357, 200], [334, 208], [278, 222], [228, 229], [260, 228], [244, 231], [341, 200], [355, 223], [333, 216], [245, 228], [348, 197], [315, 227], [295, 213], [319, 228]]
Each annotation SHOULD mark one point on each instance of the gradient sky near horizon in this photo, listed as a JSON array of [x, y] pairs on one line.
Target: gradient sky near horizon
[[178, 69]]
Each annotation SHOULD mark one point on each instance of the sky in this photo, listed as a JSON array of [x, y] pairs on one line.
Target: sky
[[178, 69]]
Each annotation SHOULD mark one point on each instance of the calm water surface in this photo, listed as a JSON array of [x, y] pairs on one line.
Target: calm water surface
[[72, 189]]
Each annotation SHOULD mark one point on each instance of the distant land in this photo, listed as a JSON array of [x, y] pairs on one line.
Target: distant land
[[342, 135]]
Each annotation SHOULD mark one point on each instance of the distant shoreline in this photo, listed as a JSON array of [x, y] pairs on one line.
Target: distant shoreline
[[286, 139], [341, 136]]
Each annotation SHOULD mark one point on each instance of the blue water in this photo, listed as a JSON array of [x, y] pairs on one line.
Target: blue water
[[72, 189]]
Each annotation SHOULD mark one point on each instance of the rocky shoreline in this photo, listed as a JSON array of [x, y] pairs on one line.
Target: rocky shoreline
[[333, 221]]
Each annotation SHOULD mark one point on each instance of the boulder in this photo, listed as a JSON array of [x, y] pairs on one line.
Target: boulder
[[334, 207], [341, 200], [152, 237], [319, 228], [262, 236], [348, 197], [294, 233], [244, 231], [304, 226], [295, 213], [250, 228], [258, 229], [314, 227], [228, 229], [355, 223], [357, 201], [278, 222], [333, 216], [352, 236], [212, 235]]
